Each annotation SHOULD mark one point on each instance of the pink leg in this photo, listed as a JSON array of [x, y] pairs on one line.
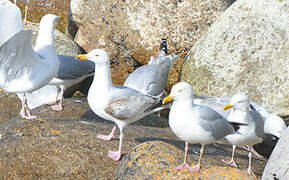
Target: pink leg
[[107, 137], [58, 107], [25, 111], [25, 15], [256, 153], [250, 162], [232, 161], [115, 155], [198, 166], [184, 165]]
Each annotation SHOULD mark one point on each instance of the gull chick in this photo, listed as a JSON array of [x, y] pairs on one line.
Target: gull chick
[[120, 104], [250, 130], [194, 123]]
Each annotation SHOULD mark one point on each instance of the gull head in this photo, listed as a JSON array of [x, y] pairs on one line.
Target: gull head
[[98, 56], [239, 101], [49, 20], [180, 91]]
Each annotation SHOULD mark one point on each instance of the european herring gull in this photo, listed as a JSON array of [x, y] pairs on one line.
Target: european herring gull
[[273, 124], [251, 130], [194, 123], [24, 69], [120, 104], [70, 72]]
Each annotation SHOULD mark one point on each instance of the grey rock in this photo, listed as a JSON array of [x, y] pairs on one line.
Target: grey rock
[[246, 49], [131, 31], [277, 166]]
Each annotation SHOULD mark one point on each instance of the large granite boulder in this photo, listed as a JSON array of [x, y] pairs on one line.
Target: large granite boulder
[[131, 31], [277, 166], [246, 49], [63, 144]]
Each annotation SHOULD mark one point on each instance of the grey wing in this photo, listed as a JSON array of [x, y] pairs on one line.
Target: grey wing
[[146, 79], [130, 107], [70, 68], [10, 21], [152, 78], [215, 104], [17, 58], [214, 122], [259, 123]]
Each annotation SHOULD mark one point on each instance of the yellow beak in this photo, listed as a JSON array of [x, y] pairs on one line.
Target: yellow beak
[[167, 99], [228, 106], [81, 57]]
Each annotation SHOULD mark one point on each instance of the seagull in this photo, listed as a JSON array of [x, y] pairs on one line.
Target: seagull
[[24, 69], [120, 104], [194, 123], [251, 131], [70, 72], [274, 125]]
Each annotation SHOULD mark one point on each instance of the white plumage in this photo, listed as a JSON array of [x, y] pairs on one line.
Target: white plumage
[[194, 123], [120, 104], [250, 129]]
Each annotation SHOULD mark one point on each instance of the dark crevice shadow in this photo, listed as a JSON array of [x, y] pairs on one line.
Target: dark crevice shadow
[[230, 2]]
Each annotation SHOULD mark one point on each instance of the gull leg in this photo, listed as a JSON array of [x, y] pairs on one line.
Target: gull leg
[[250, 162], [25, 111], [115, 155], [197, 167], [256, 153], [184, 165], [107, 137], [58, 107], [232, 161], [25, 15]]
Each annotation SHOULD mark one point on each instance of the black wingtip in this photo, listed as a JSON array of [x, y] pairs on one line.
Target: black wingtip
[[164, 46]]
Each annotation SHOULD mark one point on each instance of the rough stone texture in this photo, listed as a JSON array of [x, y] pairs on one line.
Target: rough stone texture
[[38, 8], [9, 107], [64, 145], [278, 164], [157, 159], [246, 49], [131, 31]]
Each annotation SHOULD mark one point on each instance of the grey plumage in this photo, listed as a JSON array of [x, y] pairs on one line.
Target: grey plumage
[[155, 73], [130, 107], [69, 68], [212, 121], [20, 62]]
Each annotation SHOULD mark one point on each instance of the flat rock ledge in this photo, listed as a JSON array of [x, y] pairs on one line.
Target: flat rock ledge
[[157, 159]]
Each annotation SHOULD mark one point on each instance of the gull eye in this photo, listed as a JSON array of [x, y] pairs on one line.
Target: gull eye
[[179, 91]]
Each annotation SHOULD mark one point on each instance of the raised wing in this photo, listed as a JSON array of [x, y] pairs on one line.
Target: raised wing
[[152, 79], [18, 61], [71, 69]]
